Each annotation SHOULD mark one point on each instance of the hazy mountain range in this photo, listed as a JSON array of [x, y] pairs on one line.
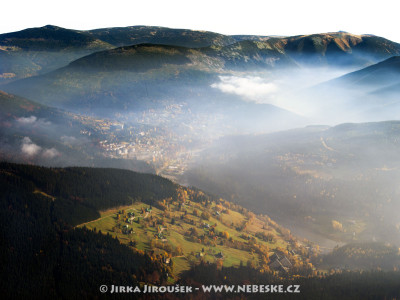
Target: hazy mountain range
[[23, 52], [158, 97], [113, 68]]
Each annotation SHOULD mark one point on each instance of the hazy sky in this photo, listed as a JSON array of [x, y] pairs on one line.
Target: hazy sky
[[229, 17]]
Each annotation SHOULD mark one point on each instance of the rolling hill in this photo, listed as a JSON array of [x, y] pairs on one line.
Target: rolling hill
[[380, 75], [146, 77], [172, 229], [368, 94], [39, 50], [117, 80], [337, 49], [308, 178], [50, 38], [133, 35]]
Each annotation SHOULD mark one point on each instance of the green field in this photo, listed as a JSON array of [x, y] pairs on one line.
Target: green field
[[169, 233]]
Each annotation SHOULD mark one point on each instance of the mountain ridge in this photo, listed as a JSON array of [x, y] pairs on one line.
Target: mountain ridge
[[374, 74], [34, 51]]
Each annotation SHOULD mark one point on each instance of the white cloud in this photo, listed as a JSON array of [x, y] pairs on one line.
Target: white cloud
[[29, 148], [33, 121], [51, 153], [252, 88], [29, 120]]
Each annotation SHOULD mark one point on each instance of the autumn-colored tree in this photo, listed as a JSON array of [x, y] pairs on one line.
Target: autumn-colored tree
[[205, 215], [193, 231], [337, 225], [219, 264], [179, 250], [225, 235]]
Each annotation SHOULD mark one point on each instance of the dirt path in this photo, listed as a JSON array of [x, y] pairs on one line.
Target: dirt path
[[326, 146]]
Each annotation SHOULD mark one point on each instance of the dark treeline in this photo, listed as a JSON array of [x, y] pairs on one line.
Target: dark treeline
[[364, 256], [81, 192], [344, 285], [43, 255]]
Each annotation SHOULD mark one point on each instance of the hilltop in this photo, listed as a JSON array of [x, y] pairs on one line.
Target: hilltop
[[39, 50], [337, 49], [52, 38], [132, 35]]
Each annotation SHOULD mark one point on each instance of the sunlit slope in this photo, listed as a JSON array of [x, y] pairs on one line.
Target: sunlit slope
[[150, 213], [337, 49]]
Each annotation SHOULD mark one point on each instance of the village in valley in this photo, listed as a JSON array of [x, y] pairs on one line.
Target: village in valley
[[195, 228], [167, 139]]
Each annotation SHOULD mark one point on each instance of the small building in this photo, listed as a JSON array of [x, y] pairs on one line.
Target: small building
[[280, 264], [125, 229], [166, 260]]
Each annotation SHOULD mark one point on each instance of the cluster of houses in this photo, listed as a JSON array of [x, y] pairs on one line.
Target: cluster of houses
[[127, 230], [159, 235], [130, 218]]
